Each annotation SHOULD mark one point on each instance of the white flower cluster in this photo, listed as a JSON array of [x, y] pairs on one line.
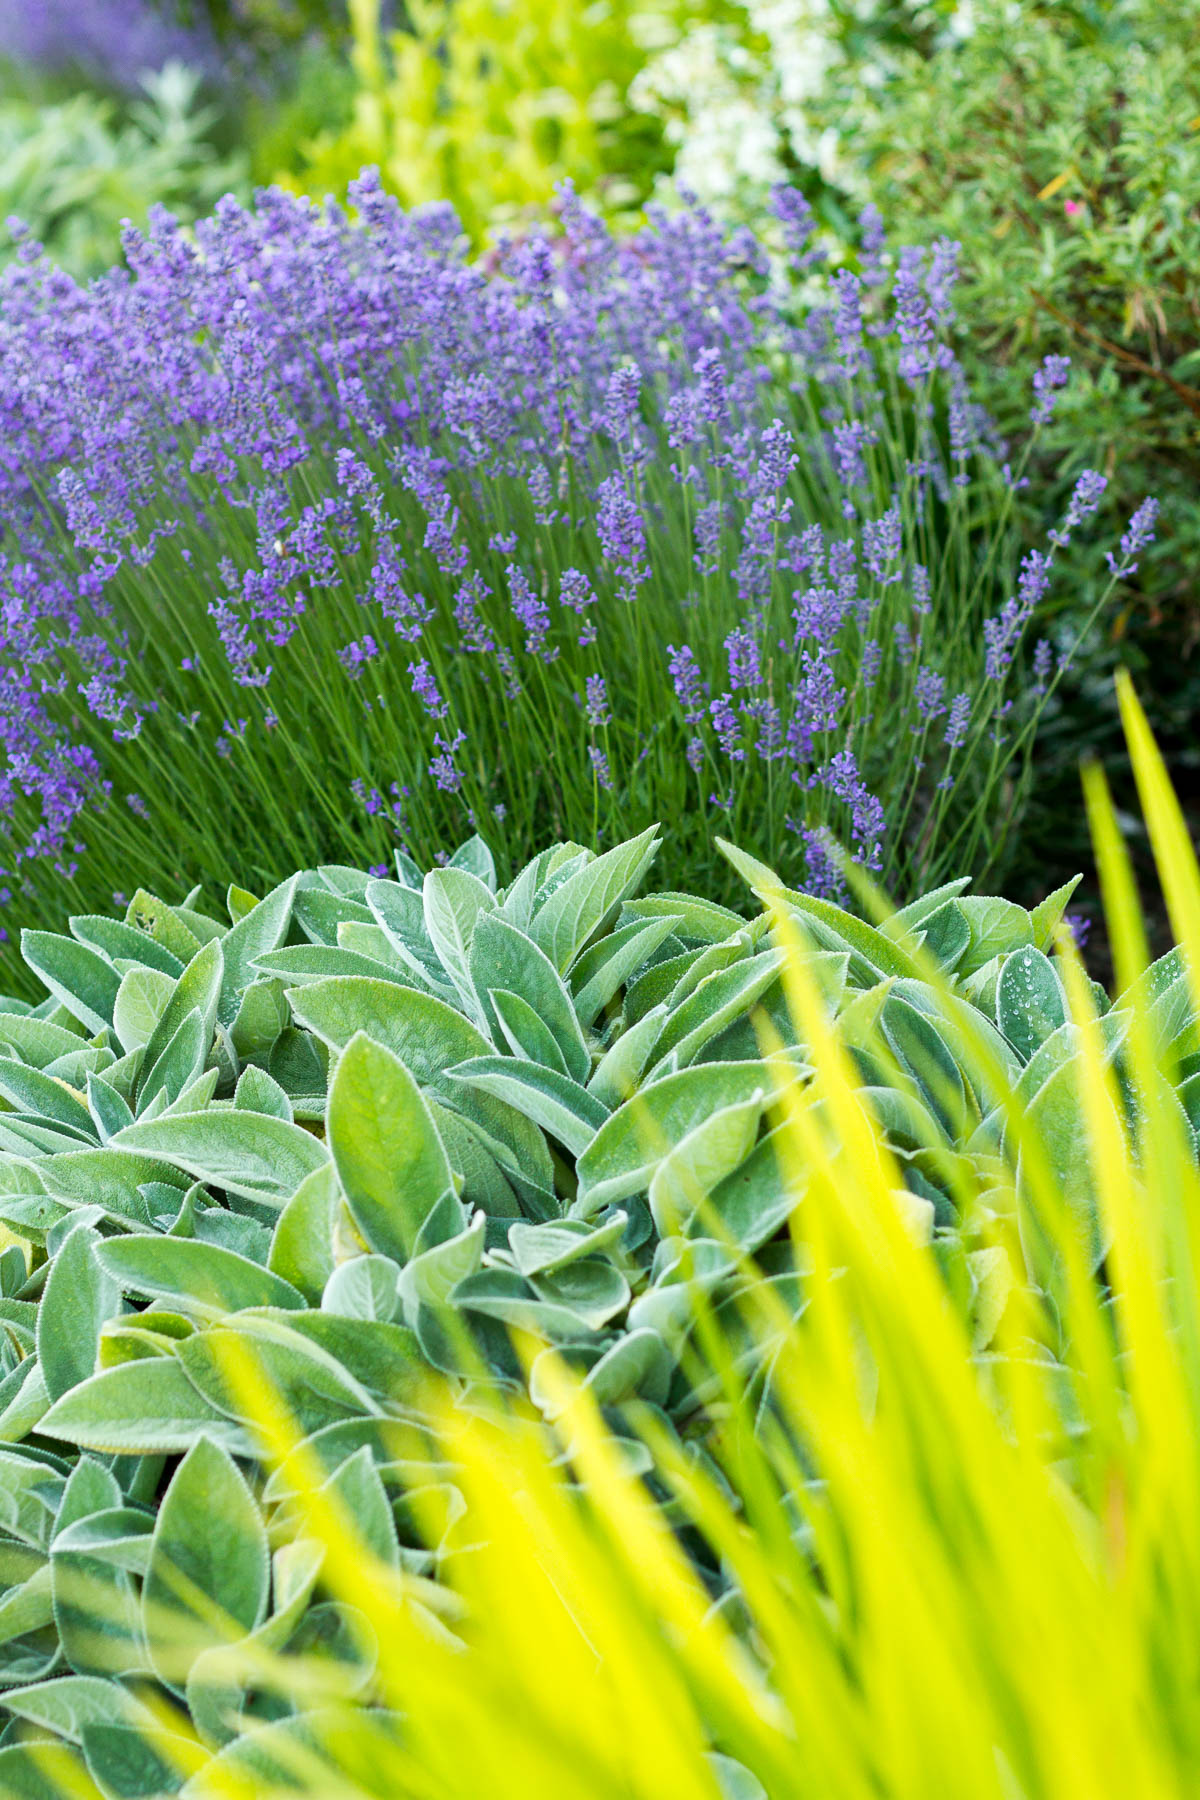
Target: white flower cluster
[[745, 102]]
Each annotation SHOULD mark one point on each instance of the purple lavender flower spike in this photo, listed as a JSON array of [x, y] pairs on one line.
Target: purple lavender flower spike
[[1049, 379], [1085, 498], [596, 706], [689, 688], [1138, 536]]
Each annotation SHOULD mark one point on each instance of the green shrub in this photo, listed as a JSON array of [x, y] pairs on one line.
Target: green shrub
[[1061, 146], [75, 170], [489, 107]]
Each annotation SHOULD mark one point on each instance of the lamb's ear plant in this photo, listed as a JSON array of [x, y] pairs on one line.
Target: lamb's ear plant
[[903, 1565]]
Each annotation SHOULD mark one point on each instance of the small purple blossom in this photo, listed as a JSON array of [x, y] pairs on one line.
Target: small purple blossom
[[1085, 498], [929, 697], [1003, 633], [596, 705], [957, 721], [728, 727], [684, 671], [1048, 381], [1079, 925], [1137, 537], [600, 768], [425, 687], [914, 316], [447, 776], [795, 216], [531, 612], [882, 544], [621, 402], [745, 664], [622, 534]]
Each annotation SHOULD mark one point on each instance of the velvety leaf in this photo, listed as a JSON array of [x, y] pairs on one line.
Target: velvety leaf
[[580, 907], [593, 1289], [627, 1149], [692, 915], [244, 1153], [1030, 1000], [601, 971], [254, 1361], [475, 857], [619, 1070], [197, 989], [78, 1298], [1045, 917], [400, 913], [302, 1244], [37, 1041], [209, 1573], [483, 1180], [141, 1001], [145, 1406], [258, 1092], [638, 1365], [713, 1149], [554, 1102], [883, 956], [179, 1063], [504, 958], [65, 1705], [300, 964], [116, 940], [79, 977], [719, 999], [429, 1037], [110, 1178], [752, 1202], [31, 1091], [526, 1035], [1056, 1114], [913, 917], [919, 1046], [319, 913], [259, 931], [363, 1288], [453, 901], [109, 1111], [540, 1249], [155, 919], [389, 1157], [425, 1033], [44, 1772], [262, 1015], [201, 1279], [997, 927]]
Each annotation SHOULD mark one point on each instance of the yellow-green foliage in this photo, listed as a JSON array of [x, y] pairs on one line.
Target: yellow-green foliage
[[960, 1576], [488, 104]]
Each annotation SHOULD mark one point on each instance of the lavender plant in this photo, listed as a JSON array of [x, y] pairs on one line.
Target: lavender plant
[[321, 538]]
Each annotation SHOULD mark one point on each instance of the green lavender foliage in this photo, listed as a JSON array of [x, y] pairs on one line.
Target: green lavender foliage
[[374, 1126]]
